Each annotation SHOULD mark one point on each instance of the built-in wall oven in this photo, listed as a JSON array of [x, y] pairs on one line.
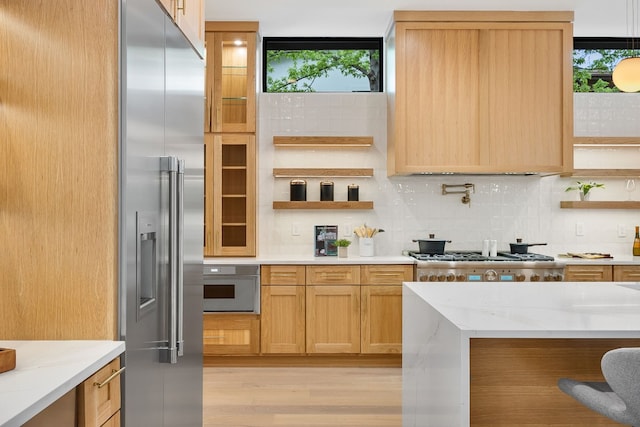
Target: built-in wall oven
[[232, 288]]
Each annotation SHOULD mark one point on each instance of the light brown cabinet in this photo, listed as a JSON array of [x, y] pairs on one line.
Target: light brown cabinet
[[230, 140], [95, 402], [588, 273], [231, 77], [230, 195], [225, 334], [601, 273], [283, 319], [472, 90], [381, 307], [333, 309], [189, 17], [282, 328], [99, 397], [346, 309], [626, 273]]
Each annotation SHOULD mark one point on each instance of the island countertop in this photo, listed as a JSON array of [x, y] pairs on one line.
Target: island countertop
[[490, 354], [45, 371], [536, 310]]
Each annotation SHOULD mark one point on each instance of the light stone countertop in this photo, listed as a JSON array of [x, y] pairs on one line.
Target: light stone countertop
[[440, 320], [45, 371], [311, 260], [536, 309], [398, 259]]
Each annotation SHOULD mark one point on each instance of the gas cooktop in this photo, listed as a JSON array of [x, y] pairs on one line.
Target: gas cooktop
[[473, 256]]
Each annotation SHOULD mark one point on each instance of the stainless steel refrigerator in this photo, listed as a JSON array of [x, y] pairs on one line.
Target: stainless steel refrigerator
[[161, 219]]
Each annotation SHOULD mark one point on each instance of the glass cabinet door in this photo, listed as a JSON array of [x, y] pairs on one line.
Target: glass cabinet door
[[234, 82], [230, 213]]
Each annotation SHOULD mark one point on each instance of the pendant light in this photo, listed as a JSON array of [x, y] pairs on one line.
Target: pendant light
[[626, 75]]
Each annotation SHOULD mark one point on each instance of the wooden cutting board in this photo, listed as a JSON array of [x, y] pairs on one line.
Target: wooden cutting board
[[589, 255], [7, 359]]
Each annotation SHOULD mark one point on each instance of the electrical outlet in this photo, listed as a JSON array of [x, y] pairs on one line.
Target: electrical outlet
[[295, 229], [579, 228], [622, 230]]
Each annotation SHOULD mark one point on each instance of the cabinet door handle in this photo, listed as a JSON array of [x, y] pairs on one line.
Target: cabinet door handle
[[114, 374], [183, 8]]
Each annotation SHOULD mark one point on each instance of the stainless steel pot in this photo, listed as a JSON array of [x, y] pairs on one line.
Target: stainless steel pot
[[431, 246], [522, 248]]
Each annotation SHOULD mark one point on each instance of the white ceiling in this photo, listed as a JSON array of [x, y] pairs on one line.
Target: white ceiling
[[353, 18]]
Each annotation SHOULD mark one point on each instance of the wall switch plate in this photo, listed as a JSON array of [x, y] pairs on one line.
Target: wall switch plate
[[622, 230], [579, 228], [346, 230], [295, 229]]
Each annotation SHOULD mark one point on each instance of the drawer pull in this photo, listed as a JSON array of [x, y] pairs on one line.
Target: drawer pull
[[114, 373]]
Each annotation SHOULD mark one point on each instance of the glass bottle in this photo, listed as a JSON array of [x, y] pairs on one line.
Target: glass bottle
[[636, 242]]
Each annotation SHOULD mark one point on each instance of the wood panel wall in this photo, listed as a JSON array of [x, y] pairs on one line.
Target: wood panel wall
[[514, 381], [58, 169]]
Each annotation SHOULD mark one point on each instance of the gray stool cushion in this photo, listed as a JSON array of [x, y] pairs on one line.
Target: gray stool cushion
[[619, 397]]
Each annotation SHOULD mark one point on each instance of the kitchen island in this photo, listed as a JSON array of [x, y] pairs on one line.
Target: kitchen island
[[46, 371], [489, 354]]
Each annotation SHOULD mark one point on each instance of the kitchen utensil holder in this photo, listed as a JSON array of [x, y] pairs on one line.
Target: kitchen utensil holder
[[366, 246]]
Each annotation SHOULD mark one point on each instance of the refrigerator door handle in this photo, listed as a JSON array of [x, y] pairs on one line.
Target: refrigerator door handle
[[170, 164], [180, 256]]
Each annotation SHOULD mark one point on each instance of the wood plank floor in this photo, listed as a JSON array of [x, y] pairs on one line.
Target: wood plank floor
[[302, 396]]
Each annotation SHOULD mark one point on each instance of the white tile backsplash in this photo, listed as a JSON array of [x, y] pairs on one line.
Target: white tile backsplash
[[411, 207]]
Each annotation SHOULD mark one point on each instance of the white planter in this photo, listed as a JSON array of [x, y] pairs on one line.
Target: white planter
[[343, 251]]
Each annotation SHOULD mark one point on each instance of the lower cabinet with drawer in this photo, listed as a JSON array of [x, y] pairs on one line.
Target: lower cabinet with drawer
[[99, 398], [95, 402], [332, 309], [601, 273], [230, 334]]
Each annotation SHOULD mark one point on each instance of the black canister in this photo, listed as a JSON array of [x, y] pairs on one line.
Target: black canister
[[298, 190], [353, 192], [326, 191]]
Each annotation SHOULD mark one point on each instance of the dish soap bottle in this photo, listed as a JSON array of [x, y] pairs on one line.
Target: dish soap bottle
[[636, 242]]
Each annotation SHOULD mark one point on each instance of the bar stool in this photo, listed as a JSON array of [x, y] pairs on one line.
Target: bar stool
[[618, 398]]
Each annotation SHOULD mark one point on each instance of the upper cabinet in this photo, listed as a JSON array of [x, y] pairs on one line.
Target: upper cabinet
[[480, 92], [231, 77], [230, 140], [189, 17]]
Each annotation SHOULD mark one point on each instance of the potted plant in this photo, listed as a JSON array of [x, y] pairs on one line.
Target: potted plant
[[584, 188], [343, 245]]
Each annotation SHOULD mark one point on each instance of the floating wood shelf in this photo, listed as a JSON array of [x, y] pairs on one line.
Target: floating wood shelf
[[600, 205], [604, 173], [321, 172], [606, 140], [323, 141], [323, 205]]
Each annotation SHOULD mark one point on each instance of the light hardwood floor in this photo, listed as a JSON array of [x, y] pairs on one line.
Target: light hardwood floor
[[302, 396]]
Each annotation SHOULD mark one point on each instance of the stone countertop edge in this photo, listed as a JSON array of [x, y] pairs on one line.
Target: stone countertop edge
[[46, 371], [398, 259], [311, 260]]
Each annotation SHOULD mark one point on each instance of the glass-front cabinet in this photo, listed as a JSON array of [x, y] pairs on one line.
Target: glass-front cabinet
[[231, 79], [230, 201], [230, 139]]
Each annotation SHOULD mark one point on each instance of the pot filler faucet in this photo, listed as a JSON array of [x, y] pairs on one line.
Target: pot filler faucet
[[465, 189]]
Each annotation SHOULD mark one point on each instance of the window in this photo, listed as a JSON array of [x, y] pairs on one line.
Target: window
[[594, 59], [320, 64]]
